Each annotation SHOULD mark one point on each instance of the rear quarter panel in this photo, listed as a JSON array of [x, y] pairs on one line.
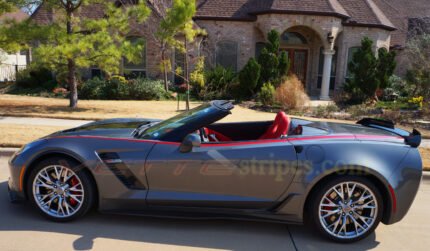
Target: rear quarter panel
[[321, 158]]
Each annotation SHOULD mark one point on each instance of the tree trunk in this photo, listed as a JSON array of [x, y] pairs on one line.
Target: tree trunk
[[163, 60], [71, 68], [187, 77], [73, 83]]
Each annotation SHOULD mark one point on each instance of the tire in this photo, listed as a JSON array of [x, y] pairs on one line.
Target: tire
[[46, 192], [361, 222]]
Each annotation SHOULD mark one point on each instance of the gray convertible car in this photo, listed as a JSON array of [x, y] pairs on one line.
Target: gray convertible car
[[344, 179]]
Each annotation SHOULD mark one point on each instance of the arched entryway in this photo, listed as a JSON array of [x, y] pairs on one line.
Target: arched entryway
[[295, 45], [303, 46]]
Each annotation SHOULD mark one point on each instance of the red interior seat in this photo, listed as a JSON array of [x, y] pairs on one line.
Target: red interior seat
[[219, 136], [279, 127]]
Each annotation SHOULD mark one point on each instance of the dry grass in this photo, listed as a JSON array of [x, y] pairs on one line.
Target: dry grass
[[291, 94], [425, 155], [12, 135], [23, 106]]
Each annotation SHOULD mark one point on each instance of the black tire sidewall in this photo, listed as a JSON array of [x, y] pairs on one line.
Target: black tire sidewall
[[80, 171], [323, 188]]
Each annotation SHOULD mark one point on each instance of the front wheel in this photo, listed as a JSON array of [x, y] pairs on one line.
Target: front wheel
[[346, 208], [61, 189]]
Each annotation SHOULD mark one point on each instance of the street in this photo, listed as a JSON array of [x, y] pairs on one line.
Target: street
[[22, 228]]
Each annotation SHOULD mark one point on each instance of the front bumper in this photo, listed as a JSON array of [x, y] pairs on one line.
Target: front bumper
[[15, 186], [14, 197]]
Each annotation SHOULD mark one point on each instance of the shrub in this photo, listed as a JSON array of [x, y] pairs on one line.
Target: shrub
[[291, 93], [91, 89], [267, 94], [284, 64], [385, 67], [32, 78], [120, 89], [249, 77], [400, 86], [269, 66], [274, 65], [146, 89], [218, 82], [363, 82], [416, 102], [418, 54], [369, 75], [115, 89]]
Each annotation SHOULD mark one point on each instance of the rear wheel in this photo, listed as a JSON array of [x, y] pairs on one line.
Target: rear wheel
[[61, 189], [346, 208]]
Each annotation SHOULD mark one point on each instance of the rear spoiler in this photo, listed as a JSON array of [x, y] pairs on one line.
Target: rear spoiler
[[412, 139]]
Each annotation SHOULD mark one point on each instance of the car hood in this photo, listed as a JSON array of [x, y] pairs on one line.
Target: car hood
[[117, 128]]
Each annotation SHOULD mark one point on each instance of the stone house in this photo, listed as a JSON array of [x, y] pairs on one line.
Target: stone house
[[319, 36]]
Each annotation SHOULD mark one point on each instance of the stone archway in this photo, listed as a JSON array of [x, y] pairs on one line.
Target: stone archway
[[302, 45]]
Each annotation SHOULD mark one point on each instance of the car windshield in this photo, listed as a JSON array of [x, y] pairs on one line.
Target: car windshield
[[159, 130]]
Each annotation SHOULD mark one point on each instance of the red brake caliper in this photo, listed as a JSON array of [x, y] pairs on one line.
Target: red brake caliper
[[73, 182]]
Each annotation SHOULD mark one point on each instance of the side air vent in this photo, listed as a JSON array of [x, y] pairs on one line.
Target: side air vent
[[121, 171]]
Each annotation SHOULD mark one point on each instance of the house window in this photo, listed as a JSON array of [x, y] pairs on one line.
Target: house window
[[136, 70], [293, 38], [96, 72], [258, 48], [351, 52], [321, 69], [226, 54]]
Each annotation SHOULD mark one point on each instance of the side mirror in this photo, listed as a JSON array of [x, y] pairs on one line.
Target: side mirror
[[190, 141]]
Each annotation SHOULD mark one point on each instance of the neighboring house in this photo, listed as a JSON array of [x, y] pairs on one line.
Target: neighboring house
[[319, 36], [11, 63]]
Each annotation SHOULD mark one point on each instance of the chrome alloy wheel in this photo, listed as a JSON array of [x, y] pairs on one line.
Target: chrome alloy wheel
[[348, 210], [58, 191]]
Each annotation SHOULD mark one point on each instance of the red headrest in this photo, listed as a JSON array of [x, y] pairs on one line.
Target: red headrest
[[279, 127]]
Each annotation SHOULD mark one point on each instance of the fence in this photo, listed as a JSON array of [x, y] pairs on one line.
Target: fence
[[8, 72]]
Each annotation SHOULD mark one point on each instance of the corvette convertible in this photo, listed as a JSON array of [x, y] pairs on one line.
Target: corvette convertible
[[343, 179]]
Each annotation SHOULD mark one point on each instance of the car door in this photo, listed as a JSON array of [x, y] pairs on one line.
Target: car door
[[242, 175]]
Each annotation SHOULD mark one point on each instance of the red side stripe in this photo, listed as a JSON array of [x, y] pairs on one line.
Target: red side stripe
[[255, 142]]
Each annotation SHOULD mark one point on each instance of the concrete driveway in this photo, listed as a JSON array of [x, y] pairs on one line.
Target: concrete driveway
[[22, 228]]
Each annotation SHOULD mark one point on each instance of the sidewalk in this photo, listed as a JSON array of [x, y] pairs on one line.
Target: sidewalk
[[43, 121]]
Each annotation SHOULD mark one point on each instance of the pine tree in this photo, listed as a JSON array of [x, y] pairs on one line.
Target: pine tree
[[363, 82], [385, 68], [250, 76], [72, 41]]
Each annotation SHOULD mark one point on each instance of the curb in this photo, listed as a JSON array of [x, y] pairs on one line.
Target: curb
[[7, 152]]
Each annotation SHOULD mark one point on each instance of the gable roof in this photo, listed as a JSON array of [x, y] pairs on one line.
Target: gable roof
[[354, 12], [399, 12], [248, 9]]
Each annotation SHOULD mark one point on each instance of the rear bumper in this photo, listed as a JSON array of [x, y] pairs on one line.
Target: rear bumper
[[405, 182]]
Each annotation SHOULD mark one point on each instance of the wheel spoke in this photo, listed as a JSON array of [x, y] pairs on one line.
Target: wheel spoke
[[75, 197], [351, 192], [53, 194], [348, 219], [330, 212]]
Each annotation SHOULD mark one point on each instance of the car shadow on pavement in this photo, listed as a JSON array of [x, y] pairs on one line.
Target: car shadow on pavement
[[214, 234]]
